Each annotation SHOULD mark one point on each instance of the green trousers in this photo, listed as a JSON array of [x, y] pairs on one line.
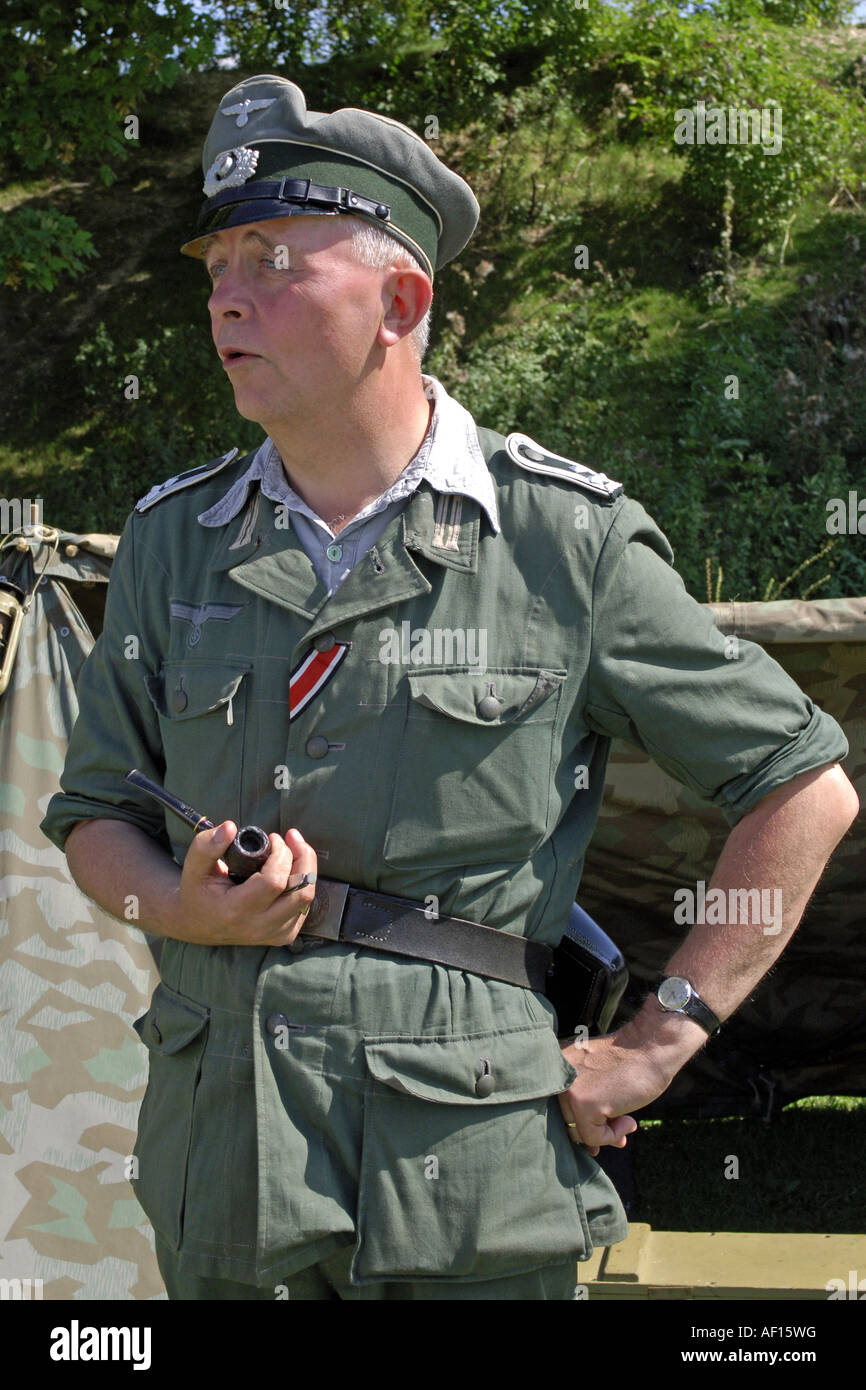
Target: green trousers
[[330, 1280], [341, 1107]]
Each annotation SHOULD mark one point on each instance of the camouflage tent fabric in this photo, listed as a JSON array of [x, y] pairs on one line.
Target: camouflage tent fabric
[[72, 1071], [803, 1031], [73, 979]]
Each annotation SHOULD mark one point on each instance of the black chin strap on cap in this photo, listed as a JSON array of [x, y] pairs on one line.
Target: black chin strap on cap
[[274, 195]]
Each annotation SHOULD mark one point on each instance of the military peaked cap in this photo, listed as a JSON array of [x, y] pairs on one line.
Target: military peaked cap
[[267, 156]]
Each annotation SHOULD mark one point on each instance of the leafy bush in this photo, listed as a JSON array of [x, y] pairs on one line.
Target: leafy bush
[[183, 413], [407, 60], [69, 74], [661, 64], [790, 12], [713, 471], [39, 246]]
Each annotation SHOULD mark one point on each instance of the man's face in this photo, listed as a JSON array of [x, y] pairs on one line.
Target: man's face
[[293, 316]]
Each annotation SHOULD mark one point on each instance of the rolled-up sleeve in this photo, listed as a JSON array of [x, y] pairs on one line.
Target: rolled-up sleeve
[[716, 712], [117, 726]]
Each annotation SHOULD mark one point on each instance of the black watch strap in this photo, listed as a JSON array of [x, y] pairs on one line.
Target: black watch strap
[[691, 1004]]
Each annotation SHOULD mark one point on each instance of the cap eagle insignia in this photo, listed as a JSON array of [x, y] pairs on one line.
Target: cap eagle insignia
[[242, 109]]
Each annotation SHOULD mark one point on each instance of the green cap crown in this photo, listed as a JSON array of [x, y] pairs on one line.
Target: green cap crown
[[263, 143]]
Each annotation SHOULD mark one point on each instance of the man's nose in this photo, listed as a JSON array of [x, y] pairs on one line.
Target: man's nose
[[228, 297]]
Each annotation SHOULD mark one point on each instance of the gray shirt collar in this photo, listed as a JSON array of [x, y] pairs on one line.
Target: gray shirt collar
[[449, 459]]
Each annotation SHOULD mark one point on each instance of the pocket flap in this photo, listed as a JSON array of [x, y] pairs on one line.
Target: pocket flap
[[185, 689], [460, 693], [483, 1069], [171, 1022]]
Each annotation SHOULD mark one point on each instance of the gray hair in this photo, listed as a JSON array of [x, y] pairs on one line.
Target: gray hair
[[374, 247]]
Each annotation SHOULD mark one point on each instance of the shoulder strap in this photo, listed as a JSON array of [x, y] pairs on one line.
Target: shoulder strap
[[182, 480], [536, 459]]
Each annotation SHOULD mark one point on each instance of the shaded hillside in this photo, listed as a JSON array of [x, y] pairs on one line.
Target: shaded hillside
[[622, 363]]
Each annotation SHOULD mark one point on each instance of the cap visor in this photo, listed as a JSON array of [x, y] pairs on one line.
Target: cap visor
[[244, 213]]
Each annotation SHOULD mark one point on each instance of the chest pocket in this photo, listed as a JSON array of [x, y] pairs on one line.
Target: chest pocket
[[202, 716], [474, 769]]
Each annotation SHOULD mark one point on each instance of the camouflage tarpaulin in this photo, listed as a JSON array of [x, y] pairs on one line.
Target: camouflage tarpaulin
[[803, 1031], [73, 979]]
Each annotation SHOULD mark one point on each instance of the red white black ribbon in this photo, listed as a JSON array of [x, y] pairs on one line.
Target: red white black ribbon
[[312, 675]]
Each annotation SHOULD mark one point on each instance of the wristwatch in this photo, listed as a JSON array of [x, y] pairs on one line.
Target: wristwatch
[[677, 996]]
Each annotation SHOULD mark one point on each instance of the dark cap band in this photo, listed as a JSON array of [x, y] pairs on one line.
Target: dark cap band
[[265, 150]]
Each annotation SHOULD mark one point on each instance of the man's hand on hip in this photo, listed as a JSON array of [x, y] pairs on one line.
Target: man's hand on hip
[[613, 1077]]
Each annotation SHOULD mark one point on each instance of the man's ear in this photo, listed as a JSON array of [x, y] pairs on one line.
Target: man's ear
[[406, 297]]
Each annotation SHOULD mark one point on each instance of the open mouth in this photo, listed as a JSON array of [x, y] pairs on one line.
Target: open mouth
[[236, 355]]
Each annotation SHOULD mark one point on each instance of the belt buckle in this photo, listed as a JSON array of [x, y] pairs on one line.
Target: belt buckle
[[326, 913]]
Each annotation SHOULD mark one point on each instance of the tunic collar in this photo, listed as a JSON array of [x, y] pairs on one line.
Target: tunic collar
[[449, 459]]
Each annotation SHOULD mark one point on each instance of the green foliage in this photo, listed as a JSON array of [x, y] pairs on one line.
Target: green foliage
[[409, 60], [39, 246], [550, 371], [562, 120], [817, 129], [742, 481], [854, 73], [667, 63], [183, 415], [68, 76], [254, 32], [790, 12]]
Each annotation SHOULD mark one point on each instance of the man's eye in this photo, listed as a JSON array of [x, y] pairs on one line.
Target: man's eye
[[214, 271]]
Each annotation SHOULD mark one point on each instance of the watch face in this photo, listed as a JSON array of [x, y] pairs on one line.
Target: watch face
[[673, 993]]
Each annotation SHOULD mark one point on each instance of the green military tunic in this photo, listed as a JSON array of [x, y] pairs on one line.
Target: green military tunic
[[313, 1099]]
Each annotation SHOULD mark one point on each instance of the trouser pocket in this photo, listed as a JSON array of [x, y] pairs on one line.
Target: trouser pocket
[[466, 1169], [174, 1029]]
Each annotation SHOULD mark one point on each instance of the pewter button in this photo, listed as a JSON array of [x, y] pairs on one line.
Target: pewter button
[[179, 701], [485, 1085], [317, 746], [324, 642], [534, 454], [274, 1022], [489, 707]]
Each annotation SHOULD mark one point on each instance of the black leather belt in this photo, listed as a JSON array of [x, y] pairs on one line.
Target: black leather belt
[[405, 928]]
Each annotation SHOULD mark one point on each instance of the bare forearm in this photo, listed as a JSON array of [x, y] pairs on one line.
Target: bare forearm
[[122, 869], [126, 873], [780, 849]]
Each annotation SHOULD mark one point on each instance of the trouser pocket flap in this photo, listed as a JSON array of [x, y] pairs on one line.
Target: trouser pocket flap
[[466, 1169], [486, 1069], [174, 1030], [171, 1021]]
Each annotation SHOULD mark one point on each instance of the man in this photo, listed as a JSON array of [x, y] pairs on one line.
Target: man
[[406, 642]]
